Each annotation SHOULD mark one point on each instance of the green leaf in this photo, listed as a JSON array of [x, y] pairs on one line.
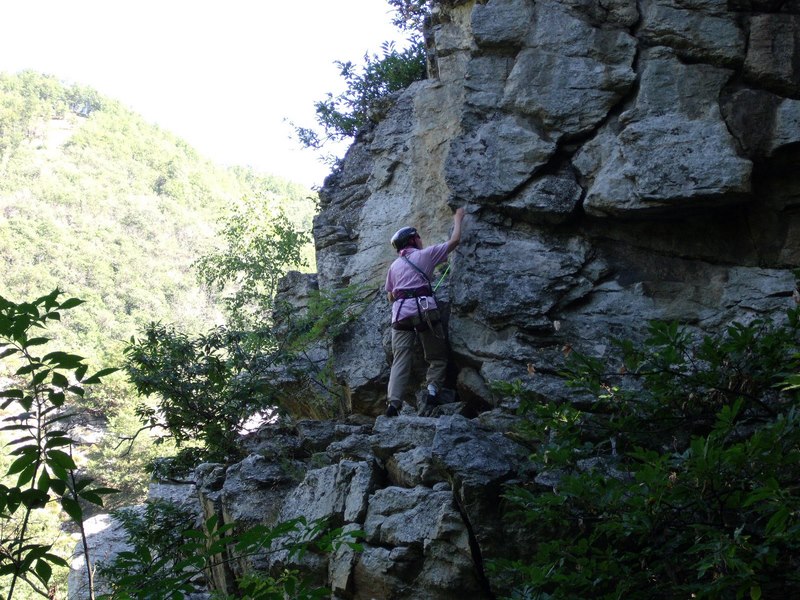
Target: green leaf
[[70, 303], [12, 393], [97, 376], [44, 481], [43, 570], [59, 380], [23, 461], [56, 560], [77, 390], [32, 448], [91, 497], [27, 475], [58, 471], [63, 360], [777, 523], [34, 498], [25, 369], [26, 402], [40, 377], [49, 300], [7, 569], [61, 459], [57, 399], [72, 508], [59, 486], [58, 441], [36, 341], [8, 352]]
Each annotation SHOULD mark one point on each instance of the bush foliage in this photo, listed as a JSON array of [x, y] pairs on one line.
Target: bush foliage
[[170, 558], [680, 478]]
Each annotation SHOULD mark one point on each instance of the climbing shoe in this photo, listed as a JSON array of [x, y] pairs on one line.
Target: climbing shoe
[[391, 411]]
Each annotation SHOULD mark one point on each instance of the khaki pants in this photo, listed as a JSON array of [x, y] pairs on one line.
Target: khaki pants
[[434, 347]]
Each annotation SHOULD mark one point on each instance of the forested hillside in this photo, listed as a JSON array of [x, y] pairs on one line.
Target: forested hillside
[[116, 211], [113, 210]]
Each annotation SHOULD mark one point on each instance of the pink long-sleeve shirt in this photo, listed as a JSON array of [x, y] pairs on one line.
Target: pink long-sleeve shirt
[[402, 276]]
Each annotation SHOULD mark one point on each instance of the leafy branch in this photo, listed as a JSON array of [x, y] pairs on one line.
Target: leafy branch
[[44, 471]]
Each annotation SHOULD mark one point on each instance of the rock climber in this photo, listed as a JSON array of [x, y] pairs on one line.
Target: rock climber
[[415, 312]]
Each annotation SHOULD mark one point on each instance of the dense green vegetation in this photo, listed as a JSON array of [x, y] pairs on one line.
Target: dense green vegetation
[[677, 477], [109, 208], [113, 210], [169, 558]]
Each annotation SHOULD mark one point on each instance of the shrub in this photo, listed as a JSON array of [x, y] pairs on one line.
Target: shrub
[[170, 559], [369, 93], [680, 480], [207, 386]]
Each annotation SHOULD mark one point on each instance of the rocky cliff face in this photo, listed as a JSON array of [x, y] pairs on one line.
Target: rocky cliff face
[[621, 161]]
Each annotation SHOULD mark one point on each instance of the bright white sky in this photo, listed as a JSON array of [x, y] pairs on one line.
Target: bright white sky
[[224, 76]]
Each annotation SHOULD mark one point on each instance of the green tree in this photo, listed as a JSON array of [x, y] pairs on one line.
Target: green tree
[[370, 88], [260, 244], [207, 387]]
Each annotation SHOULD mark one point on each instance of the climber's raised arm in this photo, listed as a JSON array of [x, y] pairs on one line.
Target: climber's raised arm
[[455, 237]]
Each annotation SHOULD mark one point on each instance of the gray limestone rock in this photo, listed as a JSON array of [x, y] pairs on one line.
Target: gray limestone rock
[[402, 433], [479, 462], [773, 52], [495, 158], [501, 22], [711, 36], [429, 531], [338, 493], [413, 467], [549, 199], [762, 122], [570, 74], [673, 150]]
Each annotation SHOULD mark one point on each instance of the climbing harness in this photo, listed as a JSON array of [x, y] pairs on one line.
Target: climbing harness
[[428, 316]]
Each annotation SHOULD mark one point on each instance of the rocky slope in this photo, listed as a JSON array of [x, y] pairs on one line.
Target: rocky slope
[[620, 161]]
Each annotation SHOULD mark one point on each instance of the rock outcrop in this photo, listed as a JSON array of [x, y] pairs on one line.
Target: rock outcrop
[[425, 492], [620, 162]]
